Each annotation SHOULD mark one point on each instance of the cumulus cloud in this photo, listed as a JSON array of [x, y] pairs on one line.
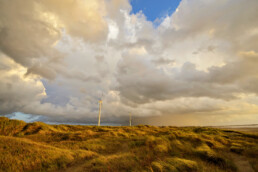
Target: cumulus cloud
[[17, 90], [82, 19], [27, 37], [58, 58]]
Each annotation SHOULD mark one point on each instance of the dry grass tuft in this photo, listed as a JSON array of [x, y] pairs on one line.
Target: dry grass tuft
[[41, 147]]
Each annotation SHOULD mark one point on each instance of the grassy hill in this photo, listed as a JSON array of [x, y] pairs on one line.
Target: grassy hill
[[41, 147]]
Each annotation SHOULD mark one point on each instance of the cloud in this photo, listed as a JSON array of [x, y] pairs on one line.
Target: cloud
[[142, 82], [162, 61], [17, 90], [28, 38], [30, 31], [82, 19], [58, 58]]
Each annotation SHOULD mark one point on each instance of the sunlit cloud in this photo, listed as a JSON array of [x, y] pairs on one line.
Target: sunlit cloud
[[198, 65]]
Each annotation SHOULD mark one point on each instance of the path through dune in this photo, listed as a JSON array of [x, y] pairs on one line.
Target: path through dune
[[242, 164]]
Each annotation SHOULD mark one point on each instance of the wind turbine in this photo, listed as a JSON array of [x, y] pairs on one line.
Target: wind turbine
[[130, 122], [100, 103]]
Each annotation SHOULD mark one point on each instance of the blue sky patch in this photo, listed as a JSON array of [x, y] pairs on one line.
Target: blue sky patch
[[154, 9]]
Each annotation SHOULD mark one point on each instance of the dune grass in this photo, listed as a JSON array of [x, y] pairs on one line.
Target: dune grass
[[41, 147]]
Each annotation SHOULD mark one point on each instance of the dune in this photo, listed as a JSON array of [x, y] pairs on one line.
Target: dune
[[41, 147]]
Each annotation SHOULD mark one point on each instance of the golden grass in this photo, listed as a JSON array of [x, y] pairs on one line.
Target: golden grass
[[19, 154], [41, 147]]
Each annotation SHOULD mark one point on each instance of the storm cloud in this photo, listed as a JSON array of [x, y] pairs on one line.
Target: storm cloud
[[58, 58]]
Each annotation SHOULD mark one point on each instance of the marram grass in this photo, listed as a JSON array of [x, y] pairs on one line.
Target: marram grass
[[41, 147]]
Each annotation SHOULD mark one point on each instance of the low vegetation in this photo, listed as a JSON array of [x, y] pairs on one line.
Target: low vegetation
[[41, 147]]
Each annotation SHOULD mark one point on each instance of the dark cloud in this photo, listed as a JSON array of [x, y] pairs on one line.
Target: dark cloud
[[142, 82], [163, 61], [58, 58]]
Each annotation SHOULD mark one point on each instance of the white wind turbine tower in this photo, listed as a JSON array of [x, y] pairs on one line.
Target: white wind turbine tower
[[130, 119], [100, 105]]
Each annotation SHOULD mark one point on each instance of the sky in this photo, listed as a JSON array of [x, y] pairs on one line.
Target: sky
[[170, 63], [154, 10]]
